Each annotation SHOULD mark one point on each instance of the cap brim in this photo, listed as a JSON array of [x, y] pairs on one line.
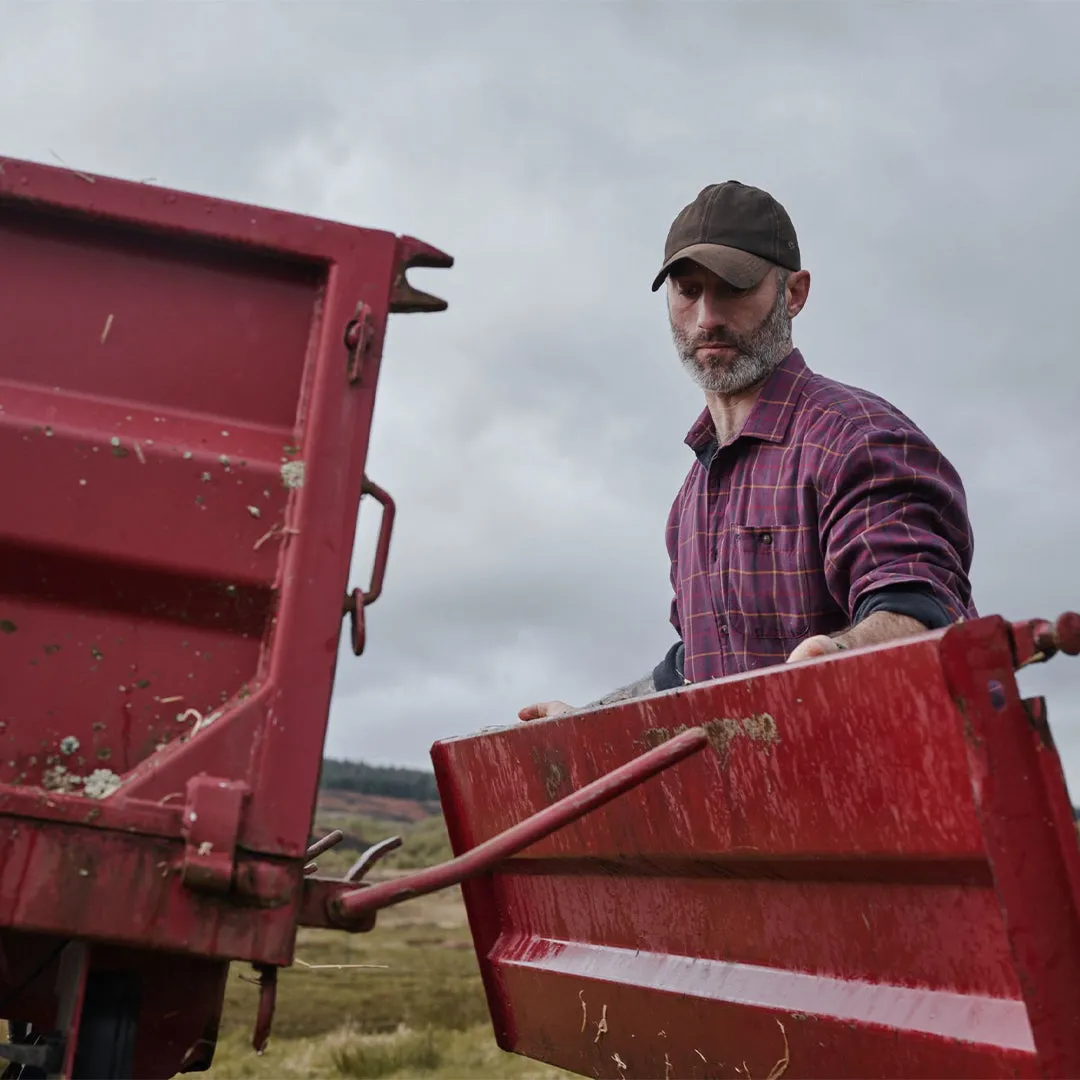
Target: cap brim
[[738, 268]]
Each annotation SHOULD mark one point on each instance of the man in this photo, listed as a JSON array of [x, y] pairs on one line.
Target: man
[[815, 516]]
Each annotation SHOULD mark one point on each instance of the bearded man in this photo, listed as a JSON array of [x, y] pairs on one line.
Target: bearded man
[[815, 516]]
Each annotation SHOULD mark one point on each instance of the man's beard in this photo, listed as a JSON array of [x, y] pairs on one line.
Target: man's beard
[[757, 354]]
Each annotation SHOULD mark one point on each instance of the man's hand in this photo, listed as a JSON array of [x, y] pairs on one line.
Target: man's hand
[[875, 629], [813, 648], [544, 710]]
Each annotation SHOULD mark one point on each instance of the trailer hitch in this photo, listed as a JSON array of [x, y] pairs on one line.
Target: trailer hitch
[[1037, 640]]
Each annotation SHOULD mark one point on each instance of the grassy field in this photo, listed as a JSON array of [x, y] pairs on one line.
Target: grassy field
[[421, 1014]]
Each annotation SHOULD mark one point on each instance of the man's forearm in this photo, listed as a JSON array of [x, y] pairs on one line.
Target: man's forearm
[[878, 628], [637, 689]]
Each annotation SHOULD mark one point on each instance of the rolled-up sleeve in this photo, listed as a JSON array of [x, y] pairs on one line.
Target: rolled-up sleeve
[[671, 538], [894, 512]]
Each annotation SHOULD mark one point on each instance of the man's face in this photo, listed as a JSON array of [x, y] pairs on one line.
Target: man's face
[[728, 339]]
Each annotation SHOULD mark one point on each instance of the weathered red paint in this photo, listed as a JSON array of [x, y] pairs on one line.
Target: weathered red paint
[[482, 858], [183, 435], [873, 872]]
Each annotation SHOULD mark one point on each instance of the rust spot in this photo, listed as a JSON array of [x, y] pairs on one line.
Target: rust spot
[[654, 737], [761, 727], [721, 732], [552, 771], [758, 727]]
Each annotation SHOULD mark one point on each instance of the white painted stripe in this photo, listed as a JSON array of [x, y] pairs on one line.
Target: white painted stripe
[[992, 1021]]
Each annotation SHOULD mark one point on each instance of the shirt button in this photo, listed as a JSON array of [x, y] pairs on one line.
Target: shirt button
[[723, 628], [766, 538]]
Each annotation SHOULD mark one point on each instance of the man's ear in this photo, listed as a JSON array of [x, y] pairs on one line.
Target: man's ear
[[798, 289]]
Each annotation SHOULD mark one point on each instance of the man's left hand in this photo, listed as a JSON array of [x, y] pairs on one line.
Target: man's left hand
[[813, 648], [875, 629]]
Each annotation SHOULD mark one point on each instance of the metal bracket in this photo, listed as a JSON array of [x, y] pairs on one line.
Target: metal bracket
[[211, 825], [1036, 640], [359, 335], [404, 299], [371, 856], [46, 1055]]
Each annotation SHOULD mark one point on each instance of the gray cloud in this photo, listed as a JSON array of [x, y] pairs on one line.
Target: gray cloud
[[533, 434]]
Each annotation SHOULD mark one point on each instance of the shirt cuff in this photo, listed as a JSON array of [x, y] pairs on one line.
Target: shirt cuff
[[912, 599], [669, 672]]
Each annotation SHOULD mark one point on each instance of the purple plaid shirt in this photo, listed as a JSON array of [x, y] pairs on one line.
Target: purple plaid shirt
[[828, 498]]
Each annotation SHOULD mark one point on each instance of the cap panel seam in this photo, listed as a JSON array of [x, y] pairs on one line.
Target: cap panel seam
[[703, 237]]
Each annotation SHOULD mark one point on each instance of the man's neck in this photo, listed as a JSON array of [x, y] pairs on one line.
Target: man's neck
[[729, 411]]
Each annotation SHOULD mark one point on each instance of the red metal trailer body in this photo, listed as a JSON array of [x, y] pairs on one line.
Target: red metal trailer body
[[871, 870], [186, 391], [863, 866]]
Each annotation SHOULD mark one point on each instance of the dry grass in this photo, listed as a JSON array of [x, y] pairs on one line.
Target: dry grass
[[424, 1015], [345, 1052]]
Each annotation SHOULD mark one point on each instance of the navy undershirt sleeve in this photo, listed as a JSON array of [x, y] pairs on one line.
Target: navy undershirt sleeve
[[669, 672], [912, 599]]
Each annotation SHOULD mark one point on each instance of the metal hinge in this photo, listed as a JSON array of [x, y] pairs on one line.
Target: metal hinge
[[359, 335], [212, 815]]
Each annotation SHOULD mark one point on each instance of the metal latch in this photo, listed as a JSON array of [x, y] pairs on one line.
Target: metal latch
[[211, 827], [354, 603], [359, 335]]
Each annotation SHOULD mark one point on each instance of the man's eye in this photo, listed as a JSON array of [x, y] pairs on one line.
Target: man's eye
[[687, 288]]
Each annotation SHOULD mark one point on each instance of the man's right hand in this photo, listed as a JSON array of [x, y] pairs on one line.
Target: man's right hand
[[544, 710]]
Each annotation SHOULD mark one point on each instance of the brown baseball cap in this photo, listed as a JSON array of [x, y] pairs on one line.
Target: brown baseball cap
[[736, 231]]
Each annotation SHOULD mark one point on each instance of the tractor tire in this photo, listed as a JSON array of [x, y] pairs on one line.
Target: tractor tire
[[107, 1030]]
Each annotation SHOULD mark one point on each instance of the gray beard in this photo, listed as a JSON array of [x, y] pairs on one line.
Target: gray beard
[[758, 353]]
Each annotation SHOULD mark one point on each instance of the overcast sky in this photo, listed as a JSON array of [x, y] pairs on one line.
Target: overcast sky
[[532, 435]]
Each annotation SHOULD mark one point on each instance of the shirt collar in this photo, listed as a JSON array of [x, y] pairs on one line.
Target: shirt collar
[[771, 414]]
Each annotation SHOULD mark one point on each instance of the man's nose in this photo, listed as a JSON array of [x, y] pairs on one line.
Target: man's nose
[[709, 313]]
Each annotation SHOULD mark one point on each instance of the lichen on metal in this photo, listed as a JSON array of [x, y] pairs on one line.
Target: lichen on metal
[[292, 474], [101, 783]]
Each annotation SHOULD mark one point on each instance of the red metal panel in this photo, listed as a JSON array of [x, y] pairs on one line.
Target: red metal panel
[[819, 895], [183, 433]]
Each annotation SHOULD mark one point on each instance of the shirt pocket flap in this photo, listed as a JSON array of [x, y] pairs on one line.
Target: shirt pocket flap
[[768, 587]]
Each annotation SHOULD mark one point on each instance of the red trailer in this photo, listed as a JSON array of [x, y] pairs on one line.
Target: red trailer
[[186, 391], [871, 869], [862, 866]]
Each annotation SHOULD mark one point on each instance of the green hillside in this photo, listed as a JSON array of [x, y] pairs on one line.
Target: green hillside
[[391, 780]]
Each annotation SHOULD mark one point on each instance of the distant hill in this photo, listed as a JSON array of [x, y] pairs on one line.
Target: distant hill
[[389, 780], [379, 807], [368, 803]]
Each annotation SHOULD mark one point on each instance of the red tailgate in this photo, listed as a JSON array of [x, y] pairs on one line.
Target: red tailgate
[[873, 871]]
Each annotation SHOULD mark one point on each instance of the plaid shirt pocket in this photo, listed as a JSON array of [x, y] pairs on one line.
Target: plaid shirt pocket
[[767, 582]]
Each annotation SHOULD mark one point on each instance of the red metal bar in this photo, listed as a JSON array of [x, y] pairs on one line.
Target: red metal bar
[[488, 854]]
